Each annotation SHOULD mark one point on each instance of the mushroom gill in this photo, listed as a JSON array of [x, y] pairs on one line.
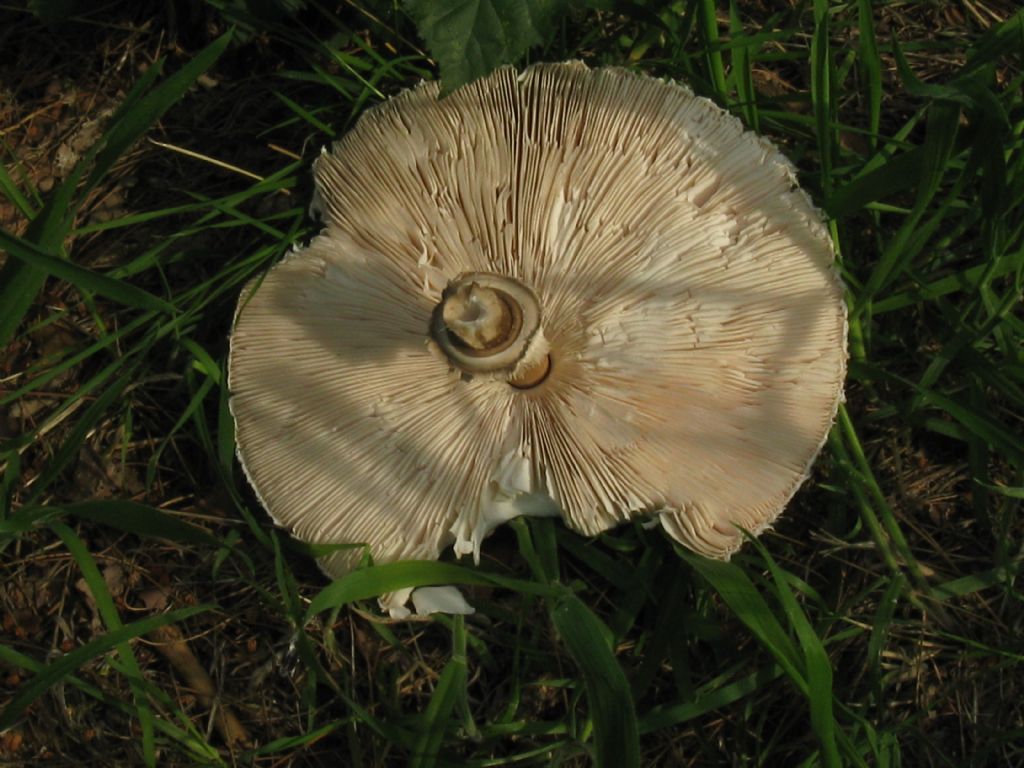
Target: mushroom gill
[[561, 291]]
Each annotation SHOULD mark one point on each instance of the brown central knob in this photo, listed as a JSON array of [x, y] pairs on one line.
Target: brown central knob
[[491, 324]]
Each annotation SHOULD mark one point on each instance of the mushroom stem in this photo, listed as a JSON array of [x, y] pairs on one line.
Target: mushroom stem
[[489, 323], [532, 374], [478, 316]]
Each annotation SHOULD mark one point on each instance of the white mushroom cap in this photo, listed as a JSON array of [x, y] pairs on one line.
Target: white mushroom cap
[[690, 312]]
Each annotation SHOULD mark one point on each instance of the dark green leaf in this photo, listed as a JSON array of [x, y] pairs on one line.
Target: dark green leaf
[[470, 38]]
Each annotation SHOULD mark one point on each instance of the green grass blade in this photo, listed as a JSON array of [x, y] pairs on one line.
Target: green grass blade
[[135, 118], [896, 175], [943, 121], [741, 71], [707, 12], [381, 579], [463, 705], [104, 343], [880, 628], [542, 531], [750, 607], [821, 92], [20, 282], [816, 665], [291, 743], [108, 612], [671, 715], [44, 264], [139, 519], [225, 441], [56, 671], [192, 409], [1001, 40], [9, 189], [976, 582], [1003, 490], [435, 718], [73, 442], [871, 67], [306, 115], [980, 424], [966, 281], [11, 475], [528, 551], [616, 736], [875, 509], [203, 753]]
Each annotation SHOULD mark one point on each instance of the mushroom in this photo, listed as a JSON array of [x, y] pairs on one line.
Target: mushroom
[[565, 291]]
